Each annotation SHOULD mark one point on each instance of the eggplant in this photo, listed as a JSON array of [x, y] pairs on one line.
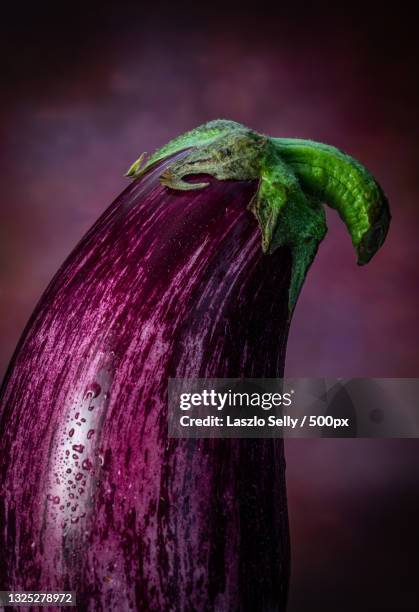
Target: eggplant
[[193, 271]]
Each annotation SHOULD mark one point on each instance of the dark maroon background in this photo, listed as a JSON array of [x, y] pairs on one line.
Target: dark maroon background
[[87, 87]]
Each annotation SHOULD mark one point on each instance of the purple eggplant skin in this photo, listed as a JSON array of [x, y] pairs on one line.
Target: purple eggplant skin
[[94, 496]]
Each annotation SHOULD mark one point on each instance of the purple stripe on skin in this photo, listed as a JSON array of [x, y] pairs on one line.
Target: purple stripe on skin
[[93, 495]]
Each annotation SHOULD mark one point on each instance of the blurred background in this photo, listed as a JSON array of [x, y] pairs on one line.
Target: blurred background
[[86, 87]]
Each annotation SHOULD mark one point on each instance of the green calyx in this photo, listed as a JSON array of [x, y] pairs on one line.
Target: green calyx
[[295, 177]]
